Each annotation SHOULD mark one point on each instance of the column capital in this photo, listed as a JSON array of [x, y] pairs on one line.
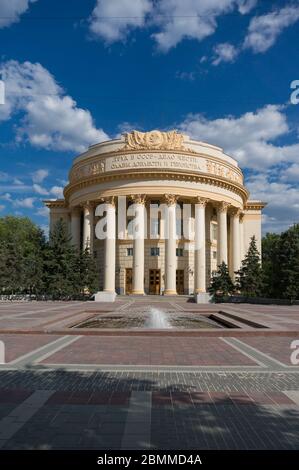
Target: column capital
[[242, 213], [138, 198], [222, 206], [108, 200], [201, 201], [235, 212], [76, 210], [171, 199]]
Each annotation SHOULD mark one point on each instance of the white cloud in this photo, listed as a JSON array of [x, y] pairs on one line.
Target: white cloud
[[282, 198], [264, 30], [249, 138], [42, 212], [57, 191], [291, 174], [191, 19], [6, 197], [224, 52], [2, 207], [11, 10], [38, 176], [40, 190], [3, 176], [50, 119], [26, 203], [112, 20]]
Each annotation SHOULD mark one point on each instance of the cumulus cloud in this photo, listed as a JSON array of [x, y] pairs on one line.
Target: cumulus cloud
[[112, 20], [38, 176], [249, 138], [11, 10], [26, 203], [174, 20], [49, 118], [37, 188], [57, 191], [224, 52], [264, 30], [42, 212]]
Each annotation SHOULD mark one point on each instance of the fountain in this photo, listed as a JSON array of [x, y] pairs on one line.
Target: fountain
[[157, 319]]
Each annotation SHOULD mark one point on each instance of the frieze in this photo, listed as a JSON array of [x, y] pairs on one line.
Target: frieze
[[155, 161]]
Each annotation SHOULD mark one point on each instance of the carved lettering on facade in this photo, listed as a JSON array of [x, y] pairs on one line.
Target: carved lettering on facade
[[163, 161]]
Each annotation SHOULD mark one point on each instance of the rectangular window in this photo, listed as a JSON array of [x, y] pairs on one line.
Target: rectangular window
[[155, 251], [214, 232], [214, 254], [129, 251], [179, 252]]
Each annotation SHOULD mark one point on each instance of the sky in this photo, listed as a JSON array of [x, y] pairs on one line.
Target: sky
[[78, 72]]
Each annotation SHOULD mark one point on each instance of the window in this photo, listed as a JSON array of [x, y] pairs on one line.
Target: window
[[214, 232], [214, 254], [179, 252], [155, 251], [129, 251]]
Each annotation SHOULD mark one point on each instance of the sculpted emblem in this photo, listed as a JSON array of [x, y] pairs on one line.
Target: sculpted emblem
[[155, 140]]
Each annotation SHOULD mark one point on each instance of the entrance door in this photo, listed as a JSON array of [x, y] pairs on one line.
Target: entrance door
[[154, 281], [180, 281], [129, 280]]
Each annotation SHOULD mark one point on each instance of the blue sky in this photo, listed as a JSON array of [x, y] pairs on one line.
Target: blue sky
[[80, 71]]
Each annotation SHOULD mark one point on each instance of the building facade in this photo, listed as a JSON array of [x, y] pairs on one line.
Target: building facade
[[146, 171]]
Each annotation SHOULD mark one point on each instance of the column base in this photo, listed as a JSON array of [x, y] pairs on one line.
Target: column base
[[137, 292], [170, 292], [105, 296], [202, 297]]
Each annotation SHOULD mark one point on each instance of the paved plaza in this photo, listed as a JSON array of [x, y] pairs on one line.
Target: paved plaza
[[69, 388]]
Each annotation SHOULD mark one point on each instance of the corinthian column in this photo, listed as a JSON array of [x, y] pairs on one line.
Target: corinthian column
[[76, 226], [236, 248], [109, 264], [242, 250], [88, 227], [200, 246], [138, 244], [170, 245], [222, 232]]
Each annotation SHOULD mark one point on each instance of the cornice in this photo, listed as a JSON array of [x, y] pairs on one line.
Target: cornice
[[254, 205], [57, 203], [205, 178]]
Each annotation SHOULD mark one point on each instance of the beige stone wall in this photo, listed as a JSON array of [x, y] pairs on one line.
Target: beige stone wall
[[59, 213], [252, 226]]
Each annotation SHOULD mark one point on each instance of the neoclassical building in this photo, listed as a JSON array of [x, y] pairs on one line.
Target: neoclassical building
[[151, 170]]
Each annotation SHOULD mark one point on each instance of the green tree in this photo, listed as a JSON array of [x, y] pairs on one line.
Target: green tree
[[270, 265], [221, 284], [21, 255], [288, 262], [87, 273], [249, 277], [61, 261]]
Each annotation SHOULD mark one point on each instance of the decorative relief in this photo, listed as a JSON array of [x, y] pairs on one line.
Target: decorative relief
[[223, 171], [154, 140], [96, 168], [171, 199]]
